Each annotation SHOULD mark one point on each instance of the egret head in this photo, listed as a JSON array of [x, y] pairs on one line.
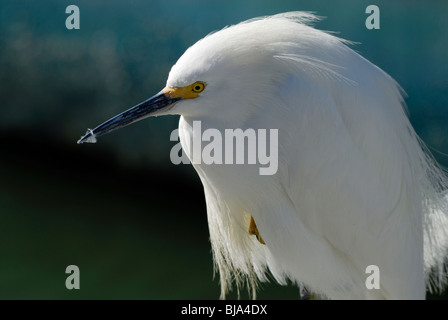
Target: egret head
[[227, 75]]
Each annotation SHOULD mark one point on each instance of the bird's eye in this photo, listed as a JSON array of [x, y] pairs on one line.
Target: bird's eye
[[198, 87]]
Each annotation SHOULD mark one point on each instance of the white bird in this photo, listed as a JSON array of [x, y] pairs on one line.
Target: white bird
[[355, 185]]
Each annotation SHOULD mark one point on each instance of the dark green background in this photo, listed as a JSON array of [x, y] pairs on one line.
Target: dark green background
[[134, 223]]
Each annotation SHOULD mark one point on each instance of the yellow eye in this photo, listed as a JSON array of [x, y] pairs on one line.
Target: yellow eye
[[198, 86]]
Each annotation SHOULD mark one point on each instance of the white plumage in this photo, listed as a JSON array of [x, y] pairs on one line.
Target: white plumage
[[355, 186]]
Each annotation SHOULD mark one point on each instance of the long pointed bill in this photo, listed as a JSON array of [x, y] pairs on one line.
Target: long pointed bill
[[134, 114]]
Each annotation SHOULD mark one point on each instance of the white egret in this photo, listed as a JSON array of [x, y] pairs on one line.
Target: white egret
[[355, 186]]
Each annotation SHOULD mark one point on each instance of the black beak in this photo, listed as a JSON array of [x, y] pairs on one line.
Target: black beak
[[134, 114]]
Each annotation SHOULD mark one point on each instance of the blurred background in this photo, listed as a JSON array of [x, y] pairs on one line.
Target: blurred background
[[134, 223]]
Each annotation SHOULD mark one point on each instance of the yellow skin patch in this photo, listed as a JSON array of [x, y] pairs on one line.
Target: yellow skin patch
[[188, 92]]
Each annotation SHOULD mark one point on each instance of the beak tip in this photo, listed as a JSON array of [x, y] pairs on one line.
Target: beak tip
[[89, 137]]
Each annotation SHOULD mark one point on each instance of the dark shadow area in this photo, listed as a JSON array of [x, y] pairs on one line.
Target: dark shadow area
[[135, 233]]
